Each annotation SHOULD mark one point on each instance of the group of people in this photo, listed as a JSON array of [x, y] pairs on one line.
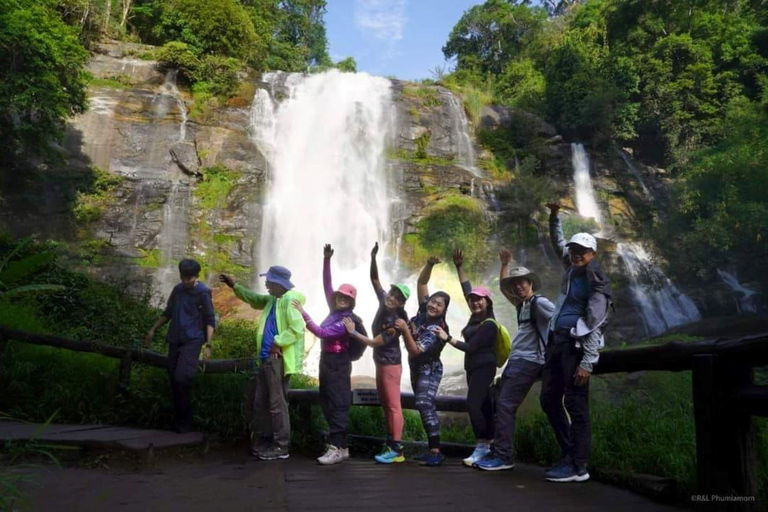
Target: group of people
[[558, 343]]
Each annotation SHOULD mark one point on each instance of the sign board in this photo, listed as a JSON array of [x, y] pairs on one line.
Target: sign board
[[365, 397]]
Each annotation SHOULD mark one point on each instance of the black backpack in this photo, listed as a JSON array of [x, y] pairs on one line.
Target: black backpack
[[357, 347]]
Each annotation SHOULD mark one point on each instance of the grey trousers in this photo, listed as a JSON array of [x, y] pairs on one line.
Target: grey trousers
[[270, 419], [516, 382]]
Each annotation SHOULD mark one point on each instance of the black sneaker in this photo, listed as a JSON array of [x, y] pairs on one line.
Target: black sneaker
[[274, 453]]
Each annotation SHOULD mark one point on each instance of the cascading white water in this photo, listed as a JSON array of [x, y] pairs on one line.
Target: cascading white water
[[171, 88], [173, 234], [633, 169], [328, 184], [661, 303], [585, 194], [746, 298], [465, 151]]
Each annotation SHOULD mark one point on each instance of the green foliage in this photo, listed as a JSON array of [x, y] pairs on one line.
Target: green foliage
[[454, 222], [220, 27], [181, 56], [575, 223], [426, 96], [489, 35], [91, 201], [43, 79], [522, 85], [152, 258], [220, 73], [348, 65], [216, 185], [422, 143], [723, 211]]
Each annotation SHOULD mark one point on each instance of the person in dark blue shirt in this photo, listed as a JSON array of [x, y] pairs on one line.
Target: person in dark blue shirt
[[190, 311]]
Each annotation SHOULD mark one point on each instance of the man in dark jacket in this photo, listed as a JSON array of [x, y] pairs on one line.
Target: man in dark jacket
[[575, 336]]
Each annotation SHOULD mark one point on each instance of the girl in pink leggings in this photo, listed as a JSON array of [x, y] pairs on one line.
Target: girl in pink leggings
[[390, 323]]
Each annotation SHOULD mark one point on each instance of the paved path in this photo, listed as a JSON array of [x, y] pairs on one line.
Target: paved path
[[234, 482]]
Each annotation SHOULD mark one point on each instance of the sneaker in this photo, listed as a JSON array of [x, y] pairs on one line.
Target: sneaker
[[274, 453], [422, 458], [333, 455], [262, 446], [481, 450], [434, 459], [493, 463], [567, 473], [388, 456]]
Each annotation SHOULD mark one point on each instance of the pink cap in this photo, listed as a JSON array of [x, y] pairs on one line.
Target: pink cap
[[348, 290], [482, 291]]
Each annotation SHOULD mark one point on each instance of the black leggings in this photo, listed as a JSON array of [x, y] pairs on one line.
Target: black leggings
[[479, 400]]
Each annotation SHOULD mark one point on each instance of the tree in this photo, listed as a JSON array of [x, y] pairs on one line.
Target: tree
[[490, 35], [348, 65], [42, 78]]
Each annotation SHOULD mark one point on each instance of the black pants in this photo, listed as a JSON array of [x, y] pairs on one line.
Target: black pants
[[479, 400], [183, 358], [558, 389], [517, 380], [336, 394]]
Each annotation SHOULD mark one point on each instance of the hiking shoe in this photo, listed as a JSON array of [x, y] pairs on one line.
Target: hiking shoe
[[567, 473], [388, 456], [481, 450], [262, 446], [493, 463], [422, 458], [333, 455], [274, 453], [434, 459]]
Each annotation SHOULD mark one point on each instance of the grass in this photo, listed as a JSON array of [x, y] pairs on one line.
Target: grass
[[426, 96], [152, 258], [420, 159]]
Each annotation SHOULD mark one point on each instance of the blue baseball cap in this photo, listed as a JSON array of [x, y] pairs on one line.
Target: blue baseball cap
[[279, 275]]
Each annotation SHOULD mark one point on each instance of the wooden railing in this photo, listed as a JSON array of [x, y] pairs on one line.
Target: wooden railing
[[724, 394]]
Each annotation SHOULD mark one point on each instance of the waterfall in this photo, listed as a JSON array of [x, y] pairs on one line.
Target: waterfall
[[328, 183], [585, 194], [635, 173], [171, 89], [173, 236], [661, 303], [465, 151], [745, 297]]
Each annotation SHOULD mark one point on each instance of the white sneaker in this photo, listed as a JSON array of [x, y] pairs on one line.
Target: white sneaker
[[481, 450], [333, 455]]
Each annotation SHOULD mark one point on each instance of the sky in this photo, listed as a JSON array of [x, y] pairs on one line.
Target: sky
[[401, 38]]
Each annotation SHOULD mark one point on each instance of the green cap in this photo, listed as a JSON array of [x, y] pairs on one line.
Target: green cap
[[402, 289]]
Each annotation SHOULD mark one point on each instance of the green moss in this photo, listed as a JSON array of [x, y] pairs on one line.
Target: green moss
[[216, 185], [218, 261], [406, 156], [422, 143], [121, 82], [415, 114], [152, 258]]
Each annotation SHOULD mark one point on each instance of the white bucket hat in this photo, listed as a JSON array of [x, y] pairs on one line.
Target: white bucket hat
[[518, 272], [584, 240]]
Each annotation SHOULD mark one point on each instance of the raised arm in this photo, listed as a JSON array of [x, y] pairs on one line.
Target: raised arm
[[422, 287], [556, 230], [506, 257], [458, 260], [256, 300], [327, 282], [375, 272]]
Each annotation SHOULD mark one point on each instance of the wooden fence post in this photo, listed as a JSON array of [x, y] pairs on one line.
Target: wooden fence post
[[124, 377], [725, 457]]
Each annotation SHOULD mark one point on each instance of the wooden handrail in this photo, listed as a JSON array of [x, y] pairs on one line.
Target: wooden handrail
[[673, 356]]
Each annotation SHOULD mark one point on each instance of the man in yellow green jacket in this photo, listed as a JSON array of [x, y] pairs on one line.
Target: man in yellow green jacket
[[280, 348]]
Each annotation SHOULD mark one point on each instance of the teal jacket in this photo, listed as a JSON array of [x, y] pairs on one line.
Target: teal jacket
[[290, 324]]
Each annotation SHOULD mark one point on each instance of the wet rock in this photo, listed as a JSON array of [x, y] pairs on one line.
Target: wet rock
[[184, 155]]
